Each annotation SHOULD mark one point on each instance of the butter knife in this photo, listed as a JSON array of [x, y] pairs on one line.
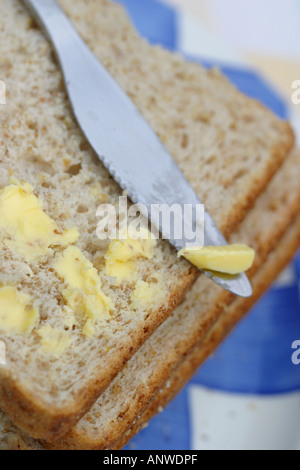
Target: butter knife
[[120, 136]]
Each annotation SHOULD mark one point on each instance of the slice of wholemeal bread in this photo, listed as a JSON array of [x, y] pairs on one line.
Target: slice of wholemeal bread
[[227, 145], [231, 315], [11, 438]]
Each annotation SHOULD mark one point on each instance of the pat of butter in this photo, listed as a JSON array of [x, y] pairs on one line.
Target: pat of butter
[[146, 294], [121, 257], [17, 315], [27, 229], [229, 259], [83, 294], [53, 340]]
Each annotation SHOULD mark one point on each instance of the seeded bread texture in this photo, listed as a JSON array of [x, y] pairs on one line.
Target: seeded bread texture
[[231, 315], [11, 438], [226, 144]]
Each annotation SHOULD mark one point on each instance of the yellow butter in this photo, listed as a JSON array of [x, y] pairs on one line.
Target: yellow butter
[[27, 229], [146, 294], [229, 259], [121, 257], [17, 315], [53, 340], [89, 329], [83, 293]]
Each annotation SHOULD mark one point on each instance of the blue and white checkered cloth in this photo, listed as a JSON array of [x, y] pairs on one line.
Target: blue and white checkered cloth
[[256, 359]]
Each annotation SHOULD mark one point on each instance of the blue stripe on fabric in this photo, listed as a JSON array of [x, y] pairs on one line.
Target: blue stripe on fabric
[[256, 358], [154, 21]]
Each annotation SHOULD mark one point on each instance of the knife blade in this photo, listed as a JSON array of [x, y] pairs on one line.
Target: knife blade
[[120, 136]]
